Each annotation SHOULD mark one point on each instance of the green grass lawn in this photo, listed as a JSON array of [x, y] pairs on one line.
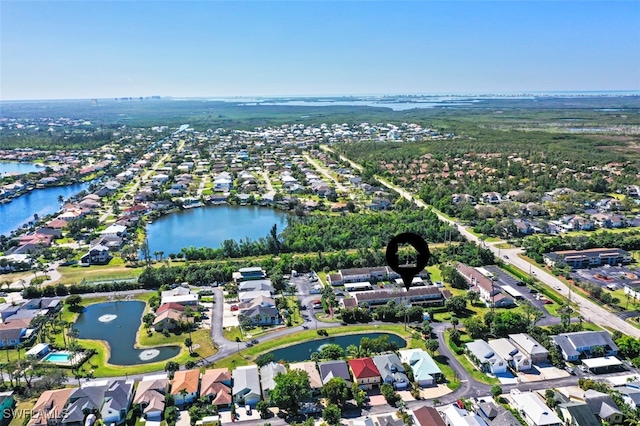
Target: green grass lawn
[[115, 270], [99, 365], [20, 417], [434, 272], [245, 356], [471, 369]]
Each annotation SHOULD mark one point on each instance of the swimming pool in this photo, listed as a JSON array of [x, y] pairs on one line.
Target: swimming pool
[[58, 357]]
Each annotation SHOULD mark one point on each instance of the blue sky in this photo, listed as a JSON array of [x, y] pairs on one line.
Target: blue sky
[[101, 49]]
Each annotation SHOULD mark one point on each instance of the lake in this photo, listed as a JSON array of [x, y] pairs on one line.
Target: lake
[[303, 351], [17, 167], [39, 201], [210, 226], [117, 323]]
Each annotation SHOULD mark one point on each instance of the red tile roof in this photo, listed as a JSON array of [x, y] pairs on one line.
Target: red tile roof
[[172, 305], [363, 368]]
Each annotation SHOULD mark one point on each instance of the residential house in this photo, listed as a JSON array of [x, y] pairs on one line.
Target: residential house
[[185, 386], [331, 369], [630, 394], [577, 414], [428, 416], [391, 370], [314, 377], [603, 406], [180, 295], [216, 387], [507, 351], [609, 220], [87, 398], [249, 273], [150, 395], [50, 407], [268, 373], [495, 414], [365, 372], [97, 255], [582, 344], [10, 337], [528, 346], [168, 319], [114, 231], [485, 358], [116, 402], [454, 415], [260, 315], [248, 296], [534, 411], [246, 385], [255, 285], [425, 371]]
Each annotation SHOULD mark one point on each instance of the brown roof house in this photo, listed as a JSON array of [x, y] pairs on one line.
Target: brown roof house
[[216, 387], [48, 410], [185, 386], [150, 395]]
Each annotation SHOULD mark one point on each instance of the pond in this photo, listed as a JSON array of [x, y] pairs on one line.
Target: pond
[[117, 324], [210, 226], [303, 351]]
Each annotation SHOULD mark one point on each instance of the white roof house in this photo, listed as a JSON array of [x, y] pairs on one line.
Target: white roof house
[[485, 358], [114, 230], [510, 353], [456, 416], [182, 299], [530, 346], [534, 411]]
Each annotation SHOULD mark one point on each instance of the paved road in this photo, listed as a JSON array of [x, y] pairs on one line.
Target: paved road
[[267, 180], [588, 310], [324, 172]]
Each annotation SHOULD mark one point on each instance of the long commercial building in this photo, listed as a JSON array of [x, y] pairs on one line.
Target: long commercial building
[[581, 259]]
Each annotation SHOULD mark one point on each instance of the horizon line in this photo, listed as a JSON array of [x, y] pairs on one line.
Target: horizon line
[[520, 93]]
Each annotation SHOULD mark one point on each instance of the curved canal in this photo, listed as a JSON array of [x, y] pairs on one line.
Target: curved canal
[[39, 201], [210, 226]]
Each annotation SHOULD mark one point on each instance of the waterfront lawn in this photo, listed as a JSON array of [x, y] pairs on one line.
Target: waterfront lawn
[[246, 356], [98, 365], [115, 270]]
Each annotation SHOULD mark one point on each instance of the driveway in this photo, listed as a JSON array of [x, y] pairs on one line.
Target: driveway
[[184, 419]]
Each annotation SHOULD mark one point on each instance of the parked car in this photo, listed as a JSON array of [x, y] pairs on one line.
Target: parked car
[[306, 327], [255, 341], [570, 370], [247, 409], [234, 307]]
